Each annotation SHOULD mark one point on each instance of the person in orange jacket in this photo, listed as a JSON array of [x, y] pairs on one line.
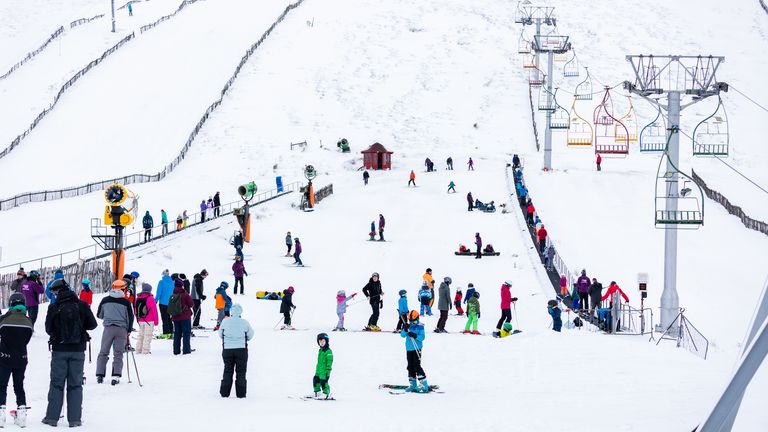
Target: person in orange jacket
[[412, 179], [427, 278], [86, 294], [223, 303], [612, 289]]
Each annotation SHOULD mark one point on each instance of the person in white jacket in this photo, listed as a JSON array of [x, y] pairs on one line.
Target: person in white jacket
[[235, 333]]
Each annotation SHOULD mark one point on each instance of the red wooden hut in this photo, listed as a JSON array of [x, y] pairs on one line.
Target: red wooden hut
[[377, 157]]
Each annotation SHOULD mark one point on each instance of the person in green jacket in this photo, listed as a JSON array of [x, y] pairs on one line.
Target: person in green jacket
[[473, 313], [323, 368]]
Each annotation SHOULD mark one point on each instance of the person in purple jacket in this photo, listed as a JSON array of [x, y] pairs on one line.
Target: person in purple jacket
[[381, 227], [238, 268], [479, 244], [203, 208], [297, 252], [32, 290], [582, 286]]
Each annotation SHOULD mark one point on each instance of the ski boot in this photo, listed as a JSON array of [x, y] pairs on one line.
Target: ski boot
[[20, 416], [100, 379], [413, 387], [467, 332], [115, 380], [424, 386], [475, 332], [2, 416]]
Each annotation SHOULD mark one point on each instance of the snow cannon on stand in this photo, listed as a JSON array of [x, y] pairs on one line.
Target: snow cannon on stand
[[118, 217], [308, 192], [242, 214]]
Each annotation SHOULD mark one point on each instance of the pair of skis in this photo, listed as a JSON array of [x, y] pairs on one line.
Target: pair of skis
[[394, 389]]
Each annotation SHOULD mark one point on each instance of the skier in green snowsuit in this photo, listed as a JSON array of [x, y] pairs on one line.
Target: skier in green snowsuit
[[473, 313], [323, 368]]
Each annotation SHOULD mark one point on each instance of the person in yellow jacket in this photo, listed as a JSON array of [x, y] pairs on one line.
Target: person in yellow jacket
[[431, 284]]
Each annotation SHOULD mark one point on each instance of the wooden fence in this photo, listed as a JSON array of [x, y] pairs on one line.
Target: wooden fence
[[733, 209]]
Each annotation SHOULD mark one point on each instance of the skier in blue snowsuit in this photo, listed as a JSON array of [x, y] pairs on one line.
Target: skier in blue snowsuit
[[414, 338], [402, 310], [58, 275]]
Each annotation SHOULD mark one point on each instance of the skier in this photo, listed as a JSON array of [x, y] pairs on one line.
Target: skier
[[402, 310], [216, 204], [31, 289], [595, 294], [209, 208], [67, 323], [549, 254], [130, 9], [515, 161], [235, 332], [414, 338], [164, 221], [522, 192], [203, 208], [425, 296], [21, 276], [373, 231], [198, 297], [554, 312], [223, 303], [297, 253], [288, 244], [506, 304], [86, 294], [148, 223], [237, 242], [184, 219], [164, 293], [412, 179], [449, 163], [470, 165], [457, 302], [427, 278], [374, 294], [286, 308], [341, 308], [479, 244], [451, 187], [583, 284], [613, 288], [470, 202], [366, 176], [598, 161], [505, 331], [381, 227], [180, 309], [473, 313], [146, 315], [117, 315], [15, 333], [323, 368], [470, 293], [238, 269], [542, 235], [428, 164], [444, 304]]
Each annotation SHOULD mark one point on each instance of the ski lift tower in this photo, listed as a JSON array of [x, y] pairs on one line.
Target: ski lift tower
[[538, 15], [674, 77], [550, 44]]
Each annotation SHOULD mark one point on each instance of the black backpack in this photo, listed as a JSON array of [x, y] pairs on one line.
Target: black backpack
[[69, 324], [174, 305], [577, 322], [142, 310]]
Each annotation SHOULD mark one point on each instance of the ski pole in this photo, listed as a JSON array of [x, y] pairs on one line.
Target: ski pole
[[514, 306], [136, 368], [405, 328], [128, 360]]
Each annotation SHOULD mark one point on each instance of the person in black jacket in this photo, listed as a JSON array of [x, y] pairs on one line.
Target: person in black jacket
[[185, 281], [216, 205], [15, 333], [373, 293], [595, 294], [197, 297], [67, 323], [286, 307]]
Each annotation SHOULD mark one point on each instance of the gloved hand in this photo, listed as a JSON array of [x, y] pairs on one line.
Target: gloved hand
[[514, 299], [478, 315], [381, 304], [294, 307], [412, 334], [204, 297]]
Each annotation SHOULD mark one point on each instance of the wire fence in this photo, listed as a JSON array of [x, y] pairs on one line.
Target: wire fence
[[30, 197], [127, 3], [82, 21], [59, 31], [151, 25], [733, 209]]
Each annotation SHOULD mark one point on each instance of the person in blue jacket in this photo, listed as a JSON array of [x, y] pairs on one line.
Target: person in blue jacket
[[56, 276], [470, 292], [372, 233], [402, 310], [148, 223], [554, 312], [414, 338], [163, 296], [235, 333]]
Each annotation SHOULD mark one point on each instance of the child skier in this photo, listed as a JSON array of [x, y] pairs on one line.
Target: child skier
[[86, 294], [286, 308], [473, 313], [554, 311], [323, 368], [457, 301], [451, 187], [372, 233], [223, 303], [15, 333], [505, 331], [402, 310], [414, 338], [425, 297], [341, 308], [146, 315]]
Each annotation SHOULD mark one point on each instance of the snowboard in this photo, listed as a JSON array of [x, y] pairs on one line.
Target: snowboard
[[474, 253], [403, 387]]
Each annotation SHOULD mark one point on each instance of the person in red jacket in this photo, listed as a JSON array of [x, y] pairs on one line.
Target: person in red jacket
[[86, 294], [457, 301], [412, 179], [542, 234], [182, 321], [598, 161], [612, 289], [506, 304], [531, 210]]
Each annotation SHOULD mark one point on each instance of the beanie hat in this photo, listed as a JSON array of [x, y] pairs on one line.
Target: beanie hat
[[146, 288], [166, 272], [178, 283], [135, 274], [59, 284]]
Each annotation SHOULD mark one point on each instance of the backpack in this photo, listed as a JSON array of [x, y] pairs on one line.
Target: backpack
[[174, 305], [69, 325], [577, 322], [142, 310]]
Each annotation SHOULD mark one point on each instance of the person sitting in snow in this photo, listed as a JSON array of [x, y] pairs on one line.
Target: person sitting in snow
[[488, 249], [463, 248], [554, 312], [505, 331]]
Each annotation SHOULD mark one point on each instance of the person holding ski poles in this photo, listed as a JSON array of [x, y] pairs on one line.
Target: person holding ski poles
[[506, 304], [374, 294], [414, 338]]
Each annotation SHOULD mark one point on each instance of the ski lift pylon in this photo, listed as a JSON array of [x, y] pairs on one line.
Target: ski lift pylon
[[710, 136], [679, 200], [580, 131], [584, 89], [606, 125], [571, 67], [653, 137], [629, 120]]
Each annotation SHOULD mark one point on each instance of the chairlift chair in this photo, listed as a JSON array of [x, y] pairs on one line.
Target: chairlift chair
[[653, 136], [606, 127], [571, 67], [529, 61], [546, 100], [629, 120], [584, 89], [580, 131], [536, 77], [523, 44], [710, 136], [686, 202], [560, 118]]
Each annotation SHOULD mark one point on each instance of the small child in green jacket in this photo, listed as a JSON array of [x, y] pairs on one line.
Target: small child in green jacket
[[473, 313], [323, 368]]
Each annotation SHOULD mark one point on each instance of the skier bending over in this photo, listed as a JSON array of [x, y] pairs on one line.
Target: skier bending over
[[414, 338]]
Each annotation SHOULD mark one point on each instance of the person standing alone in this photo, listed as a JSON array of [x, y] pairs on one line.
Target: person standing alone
[[238, 269], [443, 304], [235, 332]]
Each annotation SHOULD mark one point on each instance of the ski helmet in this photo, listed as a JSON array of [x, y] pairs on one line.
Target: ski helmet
[[471, 285], [375, 274], [16, 299], [552, 303], [413, 316], [341, 293], [508, 326], [59, 284], [429, 270], [323, 336], [447, 280], [224, 285], [34, 274], [119, 284], [402, 293], [476, 295], [135, 274]]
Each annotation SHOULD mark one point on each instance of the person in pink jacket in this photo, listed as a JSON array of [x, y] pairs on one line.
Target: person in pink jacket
[[146, 315], [506, 304]]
